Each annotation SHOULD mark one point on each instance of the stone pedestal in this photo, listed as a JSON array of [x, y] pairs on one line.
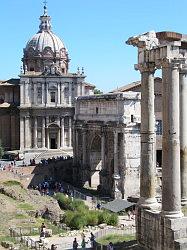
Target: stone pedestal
[[160, 233]]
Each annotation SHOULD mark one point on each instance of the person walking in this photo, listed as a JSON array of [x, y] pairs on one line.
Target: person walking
[[75, 244], [110, 246], [83, 243], [92, 240]]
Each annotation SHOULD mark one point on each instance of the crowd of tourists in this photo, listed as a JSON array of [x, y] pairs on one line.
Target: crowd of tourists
[[46, 162]]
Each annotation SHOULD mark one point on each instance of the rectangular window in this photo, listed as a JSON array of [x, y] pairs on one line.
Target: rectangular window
[[158, 127], [53, 96]]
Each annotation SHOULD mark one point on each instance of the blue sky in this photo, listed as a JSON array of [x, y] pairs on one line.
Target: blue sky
[[94, 32]]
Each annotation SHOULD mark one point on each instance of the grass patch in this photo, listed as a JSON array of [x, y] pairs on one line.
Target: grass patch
[[7, 238], [21, 216], [55, 229], [115, 239], [25, 206], [12, 183]]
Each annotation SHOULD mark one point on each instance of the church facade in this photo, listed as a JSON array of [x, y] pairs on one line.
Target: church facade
[[47, 91]]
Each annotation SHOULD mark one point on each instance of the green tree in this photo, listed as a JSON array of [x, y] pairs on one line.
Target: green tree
[[1, 150], [97, 92]]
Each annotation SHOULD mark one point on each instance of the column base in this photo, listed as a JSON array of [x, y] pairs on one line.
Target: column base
[[172, 214], [184, 202], [148, 203]]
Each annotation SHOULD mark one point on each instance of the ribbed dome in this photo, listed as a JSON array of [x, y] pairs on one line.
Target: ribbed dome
[[45, 39], [45, 48]]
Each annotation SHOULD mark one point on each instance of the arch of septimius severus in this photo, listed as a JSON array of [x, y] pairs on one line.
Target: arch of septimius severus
[[164, 228]]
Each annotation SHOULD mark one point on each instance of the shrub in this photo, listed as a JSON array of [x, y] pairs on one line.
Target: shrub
[[69, 204], [92, 218], [104, 217], [67, 217], [113, 220], [64, 202], [78, 221]]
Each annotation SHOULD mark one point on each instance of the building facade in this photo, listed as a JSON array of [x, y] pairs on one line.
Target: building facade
[[9, 114], [136, 86], [47, 91], [107, 143]]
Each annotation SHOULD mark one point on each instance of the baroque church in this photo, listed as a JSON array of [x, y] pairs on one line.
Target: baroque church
[[47, 90]]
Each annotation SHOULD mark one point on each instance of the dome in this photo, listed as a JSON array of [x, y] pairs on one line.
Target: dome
[[45, 39], [45, 49]]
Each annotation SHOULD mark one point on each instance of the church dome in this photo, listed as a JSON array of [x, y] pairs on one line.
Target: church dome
[[45, 49], [45, 39]]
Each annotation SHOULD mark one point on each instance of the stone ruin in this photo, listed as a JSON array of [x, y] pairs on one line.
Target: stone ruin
[[165, 227]]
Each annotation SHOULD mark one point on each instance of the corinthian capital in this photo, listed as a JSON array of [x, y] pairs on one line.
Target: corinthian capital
[[145, 67]]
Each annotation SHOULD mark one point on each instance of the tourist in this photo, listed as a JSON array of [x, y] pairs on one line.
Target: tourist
[[75, 244], [83, 243], [110, 246], [92, 240], [43, 227], [53, 247]]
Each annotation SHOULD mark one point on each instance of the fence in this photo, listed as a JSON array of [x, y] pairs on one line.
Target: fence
[[104, 232]]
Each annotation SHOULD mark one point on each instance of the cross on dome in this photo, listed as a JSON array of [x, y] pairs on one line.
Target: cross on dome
[[45, 7]]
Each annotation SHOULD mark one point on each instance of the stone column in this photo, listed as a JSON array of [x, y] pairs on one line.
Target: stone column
[[62, 93], [35, 93], [117, 193], [148, 163], [171, 195], [70, 93], [183, 134], [70, 132], [58, 94], [35, 133], [121, 161], [43, 93], [22, 133], [27, 132], [84, 147], [47, 94], [78, 89], [62, 132], [47, 133], [21, 93], [102, 150], [43, 132]]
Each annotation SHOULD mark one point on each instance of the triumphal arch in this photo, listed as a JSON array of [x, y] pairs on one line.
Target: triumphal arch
[[165, 227]]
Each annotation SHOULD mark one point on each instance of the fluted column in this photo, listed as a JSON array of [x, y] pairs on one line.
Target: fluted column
[[43, 93], [35, 94], [116, 192], [27, 132], [102, 150], [70, 132], [47, 94], [62, 132], [21, 93], [171, 195], [148, 162], [43, 132], [58, 94], [84, 147], [62, 93], [35, 134], [121, 161], [70, 93], [116, 171], [22, 133], [183, 134]]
